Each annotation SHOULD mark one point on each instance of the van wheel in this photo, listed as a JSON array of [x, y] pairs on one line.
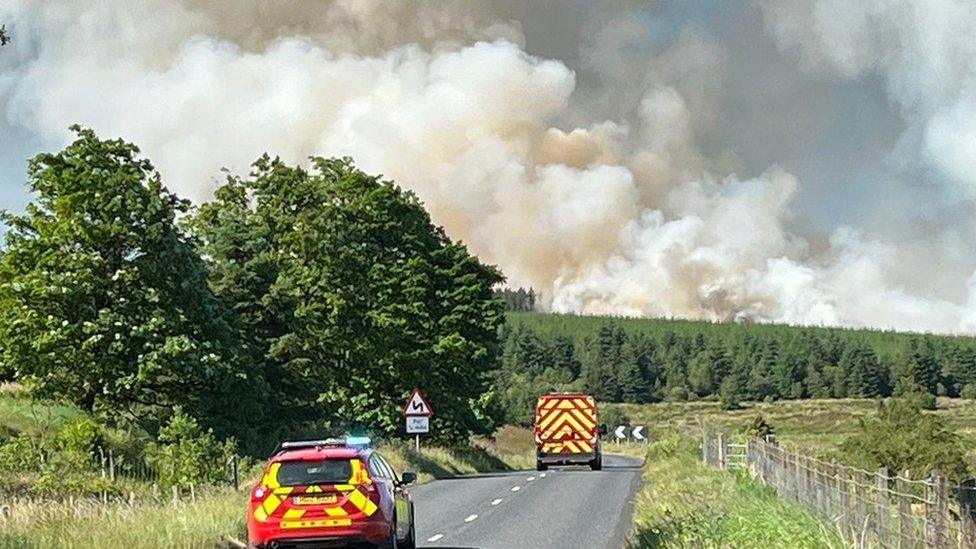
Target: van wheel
[[597, 464], [539, 466]]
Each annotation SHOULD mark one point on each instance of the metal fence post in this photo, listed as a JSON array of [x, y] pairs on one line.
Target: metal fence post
[[233, 467]]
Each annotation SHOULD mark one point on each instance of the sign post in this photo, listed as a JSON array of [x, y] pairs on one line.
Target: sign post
[[417, 413]]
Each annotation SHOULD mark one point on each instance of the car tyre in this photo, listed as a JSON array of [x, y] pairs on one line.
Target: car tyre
[[539, 466], [597, 464], [411, 541]]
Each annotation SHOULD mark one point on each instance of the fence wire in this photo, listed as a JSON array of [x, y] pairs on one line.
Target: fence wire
[[869, 508]]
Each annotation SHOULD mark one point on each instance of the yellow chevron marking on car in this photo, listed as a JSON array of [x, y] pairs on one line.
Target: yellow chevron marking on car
[[362, 502], [325, 523], [294, 513], [336, 512]]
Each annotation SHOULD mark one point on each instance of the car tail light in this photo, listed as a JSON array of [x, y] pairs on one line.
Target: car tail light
[[258, 493]]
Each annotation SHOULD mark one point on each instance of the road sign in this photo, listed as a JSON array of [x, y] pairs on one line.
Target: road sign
[[418, 424], [638, 433], [417, 406], [621, 432]]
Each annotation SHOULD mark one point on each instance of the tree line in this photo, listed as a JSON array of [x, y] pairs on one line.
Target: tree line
[[299, 301], [642, 361]]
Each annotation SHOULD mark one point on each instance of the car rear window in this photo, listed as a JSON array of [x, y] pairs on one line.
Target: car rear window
[[305, 473]]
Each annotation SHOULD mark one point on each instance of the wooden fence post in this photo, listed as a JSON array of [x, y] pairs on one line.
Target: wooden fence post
[[906, 521], [721, 452], [935, 512], [822, 484], [861, 516], [845, 500], [705, 449], [882, 509]]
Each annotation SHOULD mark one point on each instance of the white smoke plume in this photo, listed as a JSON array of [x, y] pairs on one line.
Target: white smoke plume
[[629, 214]]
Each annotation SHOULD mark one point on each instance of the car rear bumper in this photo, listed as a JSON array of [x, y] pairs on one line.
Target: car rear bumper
[[270, 534], [567, 458]]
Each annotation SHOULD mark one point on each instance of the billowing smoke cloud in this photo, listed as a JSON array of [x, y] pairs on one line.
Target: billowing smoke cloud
[[629, 210]]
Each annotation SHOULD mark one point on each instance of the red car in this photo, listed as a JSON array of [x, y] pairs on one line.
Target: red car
[[330, 493]]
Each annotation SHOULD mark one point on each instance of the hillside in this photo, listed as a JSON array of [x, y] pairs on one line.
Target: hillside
[[659, 360]]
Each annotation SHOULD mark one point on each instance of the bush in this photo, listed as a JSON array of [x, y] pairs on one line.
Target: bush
[[969, 391], [761, 429], [187, 455], [677, 394], [902, 437]]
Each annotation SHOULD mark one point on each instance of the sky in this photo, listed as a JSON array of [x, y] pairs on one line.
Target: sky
[[801, 161]]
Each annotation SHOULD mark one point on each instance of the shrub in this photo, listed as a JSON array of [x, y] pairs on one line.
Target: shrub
[[902, 437], [760, 428], [969, 391], [187, 455]]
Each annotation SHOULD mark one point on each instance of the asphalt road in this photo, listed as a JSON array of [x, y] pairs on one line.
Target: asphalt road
[[560, 508]]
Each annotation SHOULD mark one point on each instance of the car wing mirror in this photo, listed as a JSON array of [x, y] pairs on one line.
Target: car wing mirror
[[602, 429], [408, 477]]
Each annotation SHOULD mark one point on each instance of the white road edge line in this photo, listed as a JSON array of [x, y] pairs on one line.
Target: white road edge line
[[437, 537], [497, 501], [516, 488], [470, 518]]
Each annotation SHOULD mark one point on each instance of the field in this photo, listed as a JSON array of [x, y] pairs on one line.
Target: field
[[818, 426]]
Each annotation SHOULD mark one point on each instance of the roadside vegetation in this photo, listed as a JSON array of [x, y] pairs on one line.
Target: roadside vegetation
[[685, 504], [55, 503]]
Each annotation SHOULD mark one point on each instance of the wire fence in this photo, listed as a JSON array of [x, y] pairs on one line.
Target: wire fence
[[870, 508]]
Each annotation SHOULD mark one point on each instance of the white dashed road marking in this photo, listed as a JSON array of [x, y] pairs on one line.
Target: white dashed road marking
[[497, 501], [530, 479], [432, 539], [542, 475], [470, 518], [516, 488]]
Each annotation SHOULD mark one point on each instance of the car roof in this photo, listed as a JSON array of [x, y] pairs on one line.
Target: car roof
[[319, 453]]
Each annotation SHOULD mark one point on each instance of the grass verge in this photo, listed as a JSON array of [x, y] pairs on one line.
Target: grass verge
[[219, 515], [684, 504]]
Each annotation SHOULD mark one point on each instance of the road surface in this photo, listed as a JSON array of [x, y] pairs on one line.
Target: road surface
[[559, 508]]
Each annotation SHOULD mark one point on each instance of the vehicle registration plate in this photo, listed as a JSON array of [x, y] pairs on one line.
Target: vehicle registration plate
[[315, 500]]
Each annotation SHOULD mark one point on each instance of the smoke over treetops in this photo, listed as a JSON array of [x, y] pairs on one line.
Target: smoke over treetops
[[810, 161]]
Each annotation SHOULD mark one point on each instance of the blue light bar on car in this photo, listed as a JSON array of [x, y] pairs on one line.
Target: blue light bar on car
[[358, 441]]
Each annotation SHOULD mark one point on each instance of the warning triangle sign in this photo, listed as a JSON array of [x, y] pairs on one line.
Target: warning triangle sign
[[417, 406]]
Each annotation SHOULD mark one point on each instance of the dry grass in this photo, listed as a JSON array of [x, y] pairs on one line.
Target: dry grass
[[217, 515], [816, 425]]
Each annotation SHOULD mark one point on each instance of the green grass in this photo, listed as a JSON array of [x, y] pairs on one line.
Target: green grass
[[19, 413], [218, 515], [684, 504], [817, 426]]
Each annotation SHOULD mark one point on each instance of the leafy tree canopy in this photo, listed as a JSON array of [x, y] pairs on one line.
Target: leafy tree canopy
[[105, 302], [350, 297]]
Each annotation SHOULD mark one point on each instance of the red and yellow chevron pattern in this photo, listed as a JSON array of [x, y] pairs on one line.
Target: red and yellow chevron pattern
[[566, 424], [339, 506]]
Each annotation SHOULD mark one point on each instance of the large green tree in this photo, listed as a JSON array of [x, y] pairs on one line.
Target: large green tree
[[350, 297], [105, 302]]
